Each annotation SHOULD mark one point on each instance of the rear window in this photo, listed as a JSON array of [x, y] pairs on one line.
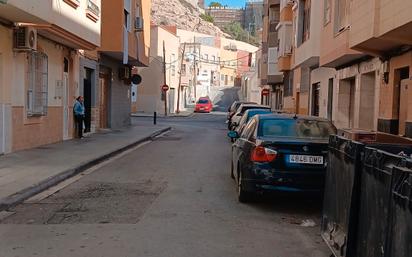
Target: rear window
[[253, 113], [309, 129], [203, 101]]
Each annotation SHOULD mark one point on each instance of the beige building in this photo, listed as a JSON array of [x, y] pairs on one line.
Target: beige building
[[385, 32], [39, 68], [149, 94]]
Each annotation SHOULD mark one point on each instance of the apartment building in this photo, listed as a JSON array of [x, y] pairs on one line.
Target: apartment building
[[125, 44], [224, 15], [150, 97], [355, 88], [39, 68], [383, 29]]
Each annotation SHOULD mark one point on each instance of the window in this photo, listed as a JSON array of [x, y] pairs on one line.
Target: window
[[183, 71], [37, 90], [306, 21], [92, 10], [73, 3], [213, 58], [127, 16], [326, 12], [231, 78], [341, 13], [206, 57], [222, 77]]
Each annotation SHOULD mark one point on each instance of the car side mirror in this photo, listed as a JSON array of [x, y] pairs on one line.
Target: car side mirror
[[233, 134]]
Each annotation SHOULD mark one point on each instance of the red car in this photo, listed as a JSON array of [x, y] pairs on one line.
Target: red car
[[204, 104]]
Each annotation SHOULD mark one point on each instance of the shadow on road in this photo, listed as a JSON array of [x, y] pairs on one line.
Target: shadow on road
[[290, 203]]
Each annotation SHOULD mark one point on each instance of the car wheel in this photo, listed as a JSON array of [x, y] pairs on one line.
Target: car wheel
[[242, 195]]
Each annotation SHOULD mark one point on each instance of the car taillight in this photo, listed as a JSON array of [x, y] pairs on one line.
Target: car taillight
[[263, 154]]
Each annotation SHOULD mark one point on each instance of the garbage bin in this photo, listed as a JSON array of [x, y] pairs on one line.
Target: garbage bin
[[344, 181], [401, 217], [340, 206], [375, 204]]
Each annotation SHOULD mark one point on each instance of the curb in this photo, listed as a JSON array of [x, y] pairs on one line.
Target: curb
[[26, 193]]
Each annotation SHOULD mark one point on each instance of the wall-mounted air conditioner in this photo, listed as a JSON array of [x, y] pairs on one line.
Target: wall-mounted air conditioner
[[25, 39]]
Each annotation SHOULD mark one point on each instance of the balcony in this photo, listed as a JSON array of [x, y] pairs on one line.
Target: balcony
[[92, 11], [383, 29]]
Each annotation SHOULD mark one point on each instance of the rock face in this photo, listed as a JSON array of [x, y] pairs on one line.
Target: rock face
[[184, 14]]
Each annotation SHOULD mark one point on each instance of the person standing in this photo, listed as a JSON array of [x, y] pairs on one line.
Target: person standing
[[78, 110]]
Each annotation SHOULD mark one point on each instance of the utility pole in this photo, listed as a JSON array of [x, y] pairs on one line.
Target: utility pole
[[180, 78], [164, 76], [195, 67]]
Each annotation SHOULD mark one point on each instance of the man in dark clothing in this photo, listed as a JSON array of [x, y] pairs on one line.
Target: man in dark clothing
[[78, 110]]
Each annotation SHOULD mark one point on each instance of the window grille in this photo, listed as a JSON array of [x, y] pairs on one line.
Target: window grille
[[37, 91]]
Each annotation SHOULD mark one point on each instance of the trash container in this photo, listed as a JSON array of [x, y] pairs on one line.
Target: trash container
[[375, 202], [400, 233], [344, 184], [340, 206]]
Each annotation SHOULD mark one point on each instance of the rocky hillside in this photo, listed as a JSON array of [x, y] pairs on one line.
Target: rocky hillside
[[183, 14]]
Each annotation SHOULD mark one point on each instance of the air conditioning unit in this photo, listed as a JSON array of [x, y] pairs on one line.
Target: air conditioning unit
[[139, 24], [25, 39]]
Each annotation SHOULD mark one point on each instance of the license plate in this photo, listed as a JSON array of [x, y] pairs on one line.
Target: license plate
[[201, 108], [306, 159]]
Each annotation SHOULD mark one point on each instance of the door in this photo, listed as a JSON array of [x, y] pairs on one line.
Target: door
[[330, 99], [2, 112], [171, 101], [87, 104], [104, 96], [65, 99], [403, 106], [315, 99], [297, 102]]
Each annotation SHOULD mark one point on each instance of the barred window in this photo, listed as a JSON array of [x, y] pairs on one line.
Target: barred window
[[37, 84]]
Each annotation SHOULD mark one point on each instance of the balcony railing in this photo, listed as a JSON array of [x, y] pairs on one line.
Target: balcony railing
[[93, 10]]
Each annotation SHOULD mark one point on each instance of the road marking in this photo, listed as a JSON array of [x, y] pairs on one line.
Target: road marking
[[52, 190]]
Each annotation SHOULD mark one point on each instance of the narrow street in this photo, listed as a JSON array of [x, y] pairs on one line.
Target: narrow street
[[172, 197]]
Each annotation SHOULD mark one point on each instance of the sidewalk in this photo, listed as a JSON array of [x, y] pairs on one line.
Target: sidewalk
[[26, 173], [185, 113]]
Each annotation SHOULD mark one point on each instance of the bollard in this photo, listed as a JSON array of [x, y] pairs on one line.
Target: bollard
[[155, 118]]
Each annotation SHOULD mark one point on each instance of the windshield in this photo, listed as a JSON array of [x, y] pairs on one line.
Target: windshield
[[203, 101], [309, 129]]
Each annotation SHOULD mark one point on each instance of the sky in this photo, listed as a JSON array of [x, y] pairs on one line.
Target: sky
[[234, 3]]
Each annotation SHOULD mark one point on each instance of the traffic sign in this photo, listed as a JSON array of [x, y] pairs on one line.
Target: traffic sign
[[165, 88], [265, 91]]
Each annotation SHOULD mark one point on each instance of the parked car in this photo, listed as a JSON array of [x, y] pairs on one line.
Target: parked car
[[246, 117], [232, 109], [279, 152], [204, 104], [241, 110]]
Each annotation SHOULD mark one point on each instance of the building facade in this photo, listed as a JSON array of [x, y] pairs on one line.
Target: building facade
[[223, 16], [150, 97], [125, 44], [39, 68]]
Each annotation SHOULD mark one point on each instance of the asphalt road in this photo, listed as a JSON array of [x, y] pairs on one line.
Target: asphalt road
[[172, 197]]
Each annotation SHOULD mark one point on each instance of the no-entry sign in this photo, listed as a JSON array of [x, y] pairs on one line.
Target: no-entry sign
[[165, 88], [265, 91]]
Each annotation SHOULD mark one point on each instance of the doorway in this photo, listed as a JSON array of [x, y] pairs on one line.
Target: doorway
[[87, 93], [171, 100], [330, 99], [315, 99], [367, 103], [65, 99], [2, 111], [104, 100], [297, 102], [346, 103], [401, 98]]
